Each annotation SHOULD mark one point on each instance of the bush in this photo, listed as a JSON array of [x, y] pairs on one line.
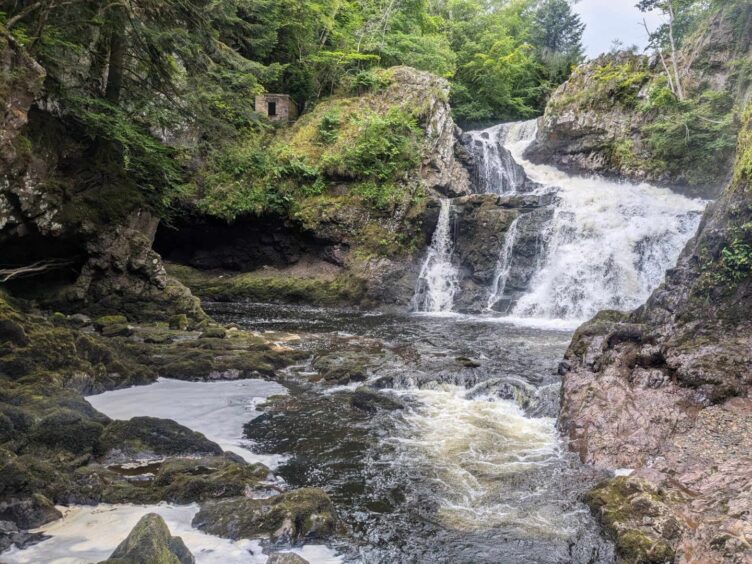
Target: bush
[[386, 146]]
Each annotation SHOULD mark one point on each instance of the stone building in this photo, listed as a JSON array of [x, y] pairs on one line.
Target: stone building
[[277, 107]]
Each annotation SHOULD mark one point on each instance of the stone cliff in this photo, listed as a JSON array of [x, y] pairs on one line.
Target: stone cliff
[[613, 116], [665, 392]]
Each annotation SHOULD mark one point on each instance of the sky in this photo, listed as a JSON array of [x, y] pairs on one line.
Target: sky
[[607, 20]]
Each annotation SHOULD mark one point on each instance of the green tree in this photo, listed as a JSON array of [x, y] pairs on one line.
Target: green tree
[[557, 36]]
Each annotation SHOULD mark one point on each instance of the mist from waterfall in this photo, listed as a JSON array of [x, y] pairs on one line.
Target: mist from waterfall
[[438, 281]]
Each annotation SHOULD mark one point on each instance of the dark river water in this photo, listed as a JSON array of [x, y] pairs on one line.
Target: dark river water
[[445, 449]]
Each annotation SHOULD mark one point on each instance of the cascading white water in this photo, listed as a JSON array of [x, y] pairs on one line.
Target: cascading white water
[[496, 172], [608, 244], [504, 266], [438, 279]]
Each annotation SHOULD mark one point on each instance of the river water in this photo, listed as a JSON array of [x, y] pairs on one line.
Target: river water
[[457, 457], [469, 469]]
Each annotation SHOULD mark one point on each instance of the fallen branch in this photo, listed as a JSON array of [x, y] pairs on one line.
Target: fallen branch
[[7, 274]]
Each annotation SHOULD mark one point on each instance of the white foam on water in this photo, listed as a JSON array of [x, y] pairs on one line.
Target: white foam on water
[[470, 448], [438, 281], [90, 534], [219, 410]]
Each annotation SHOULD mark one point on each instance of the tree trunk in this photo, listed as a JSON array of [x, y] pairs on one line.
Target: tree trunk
[[117, 57]]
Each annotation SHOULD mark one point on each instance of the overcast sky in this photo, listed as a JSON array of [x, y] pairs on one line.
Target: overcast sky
[[607, 20]]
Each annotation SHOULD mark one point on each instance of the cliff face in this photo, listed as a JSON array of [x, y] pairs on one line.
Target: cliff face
[[377, 161], [665, 391], [612, 117], [95, 244]]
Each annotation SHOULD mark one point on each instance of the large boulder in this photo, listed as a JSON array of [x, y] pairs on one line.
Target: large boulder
[[150, 541], [150, 437], [291, 517]]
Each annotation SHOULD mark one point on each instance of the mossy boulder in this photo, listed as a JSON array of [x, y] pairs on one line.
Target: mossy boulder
[[186, 480], [214, 333], [146, 437], [150, 541], [68, 430], [634, 513], [179, 322], [293, 516], [107, 320]]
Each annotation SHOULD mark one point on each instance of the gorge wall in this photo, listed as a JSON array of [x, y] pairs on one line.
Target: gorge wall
[[616, 115], [665, 392]]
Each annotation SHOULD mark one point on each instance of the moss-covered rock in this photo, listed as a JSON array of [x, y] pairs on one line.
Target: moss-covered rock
[[190, 480], [635, 514], [293, 516], [68, 430], [144, 437], [150, 541]]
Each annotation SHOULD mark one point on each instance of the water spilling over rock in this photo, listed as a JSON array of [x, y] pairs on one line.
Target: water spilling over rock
[[577, 244], [437, 282]]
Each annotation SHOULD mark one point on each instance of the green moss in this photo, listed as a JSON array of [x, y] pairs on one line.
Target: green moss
[[343, 289]]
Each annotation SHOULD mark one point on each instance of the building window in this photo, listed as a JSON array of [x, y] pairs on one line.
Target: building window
[[271, 108]]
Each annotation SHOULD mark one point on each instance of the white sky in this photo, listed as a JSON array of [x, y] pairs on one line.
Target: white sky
[[607, 20]]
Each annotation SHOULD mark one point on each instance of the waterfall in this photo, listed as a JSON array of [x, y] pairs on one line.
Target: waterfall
[[495, 171], [504, 266], [609, 243], [439, 278]]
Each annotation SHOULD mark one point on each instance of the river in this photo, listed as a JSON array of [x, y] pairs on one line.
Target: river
[[435, 432]]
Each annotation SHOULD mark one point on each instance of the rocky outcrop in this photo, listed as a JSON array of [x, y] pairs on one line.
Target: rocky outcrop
[[481, 226], [291, 517], [600, 120], [151, 541], [443, 169], [96, 243], [665, 391]]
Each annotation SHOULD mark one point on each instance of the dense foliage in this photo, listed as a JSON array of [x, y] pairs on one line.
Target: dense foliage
[[142, 92]]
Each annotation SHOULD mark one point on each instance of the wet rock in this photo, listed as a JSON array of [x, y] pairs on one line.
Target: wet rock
[[343, 367], [371, 402], [28, 512], [100, 323], [150, 437], [286, 558], [190, 480], [150, 541], [293, 516], [468, 362], [11, 535]]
